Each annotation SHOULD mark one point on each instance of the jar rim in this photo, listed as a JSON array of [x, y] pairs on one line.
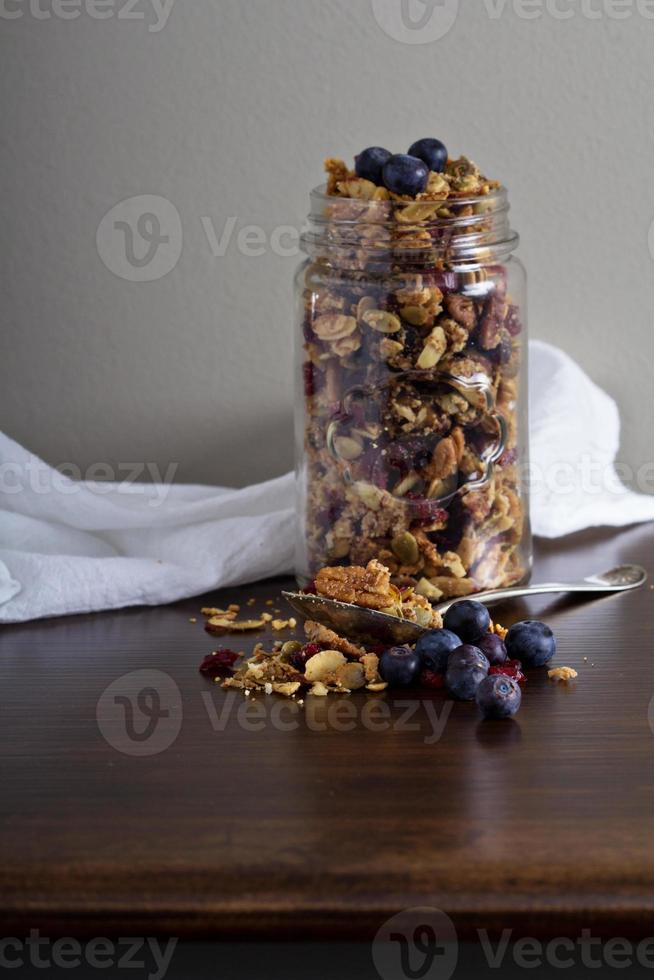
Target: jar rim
[[477, 231]]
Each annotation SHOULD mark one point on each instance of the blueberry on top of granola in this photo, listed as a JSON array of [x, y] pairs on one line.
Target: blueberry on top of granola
[[370, 162], [432, 152], [404, 174]]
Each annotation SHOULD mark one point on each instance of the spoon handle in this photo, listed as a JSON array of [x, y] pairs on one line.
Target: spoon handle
[[498, 595]]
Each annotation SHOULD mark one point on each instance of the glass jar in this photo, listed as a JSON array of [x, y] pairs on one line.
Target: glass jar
[[411, 420]]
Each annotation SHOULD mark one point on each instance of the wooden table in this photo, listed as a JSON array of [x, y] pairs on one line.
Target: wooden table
[[330, 818]]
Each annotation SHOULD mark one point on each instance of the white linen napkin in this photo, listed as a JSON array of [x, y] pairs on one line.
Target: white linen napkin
[[69, 546]]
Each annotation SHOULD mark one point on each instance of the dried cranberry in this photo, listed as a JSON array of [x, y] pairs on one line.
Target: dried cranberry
[[425, 511], [338, 413], [308, 372], [218, 662], [311, 588], [299, 659], [512, 322], [508, 457], [428, 678], [512, 668]]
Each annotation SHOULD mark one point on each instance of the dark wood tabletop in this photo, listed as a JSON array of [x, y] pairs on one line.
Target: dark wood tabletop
[[225, 818]]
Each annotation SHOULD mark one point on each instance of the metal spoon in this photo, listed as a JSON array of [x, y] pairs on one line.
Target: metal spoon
[[351, 620]]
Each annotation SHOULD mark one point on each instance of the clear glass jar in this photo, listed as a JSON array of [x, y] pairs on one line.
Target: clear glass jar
[[411, 421]]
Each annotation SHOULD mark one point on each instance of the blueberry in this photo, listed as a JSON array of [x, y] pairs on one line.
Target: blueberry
[[466, 668], [399, 666], [532, 642], [498, 696], [468, 619], [434, 648], [403, 174], [369, 163], [432, 152], [494, 648]]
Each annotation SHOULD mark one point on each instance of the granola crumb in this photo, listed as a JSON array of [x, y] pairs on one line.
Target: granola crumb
[[250, 602], [282, 624], [193, 619], [223, 624], [564, 674], [269, 602], [499, 631]]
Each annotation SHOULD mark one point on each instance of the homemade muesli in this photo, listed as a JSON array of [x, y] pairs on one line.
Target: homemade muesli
[[411, 433]]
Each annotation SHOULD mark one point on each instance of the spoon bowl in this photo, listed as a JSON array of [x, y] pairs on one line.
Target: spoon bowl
[[377, 627]]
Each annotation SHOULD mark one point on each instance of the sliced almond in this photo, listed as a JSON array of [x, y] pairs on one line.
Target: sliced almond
[[351, 677], [334, 326], [220, 625], [435, 347], [322, 664], [287, 689], [382, 321], [417, 211]]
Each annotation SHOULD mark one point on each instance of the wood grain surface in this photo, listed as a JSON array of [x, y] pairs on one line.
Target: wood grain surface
[[320, 822]]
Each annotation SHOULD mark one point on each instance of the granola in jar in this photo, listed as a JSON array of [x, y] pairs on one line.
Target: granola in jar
[[412, 420]]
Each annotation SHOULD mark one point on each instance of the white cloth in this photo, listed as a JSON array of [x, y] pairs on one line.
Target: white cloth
[[70, 547]]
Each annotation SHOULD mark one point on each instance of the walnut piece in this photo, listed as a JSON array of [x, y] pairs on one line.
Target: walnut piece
[[317, 633], [369, 587]]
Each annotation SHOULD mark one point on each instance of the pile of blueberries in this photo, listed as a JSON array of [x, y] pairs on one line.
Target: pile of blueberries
[[402, 173], [470, 661]]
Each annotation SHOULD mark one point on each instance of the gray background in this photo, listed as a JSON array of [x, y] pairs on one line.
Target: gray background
[[228, 112]]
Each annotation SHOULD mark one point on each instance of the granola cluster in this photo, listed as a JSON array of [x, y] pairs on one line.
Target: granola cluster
[[411, 375], [327, 663], [371, 588]]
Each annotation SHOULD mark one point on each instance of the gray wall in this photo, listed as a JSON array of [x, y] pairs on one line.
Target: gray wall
[[226, 110]]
